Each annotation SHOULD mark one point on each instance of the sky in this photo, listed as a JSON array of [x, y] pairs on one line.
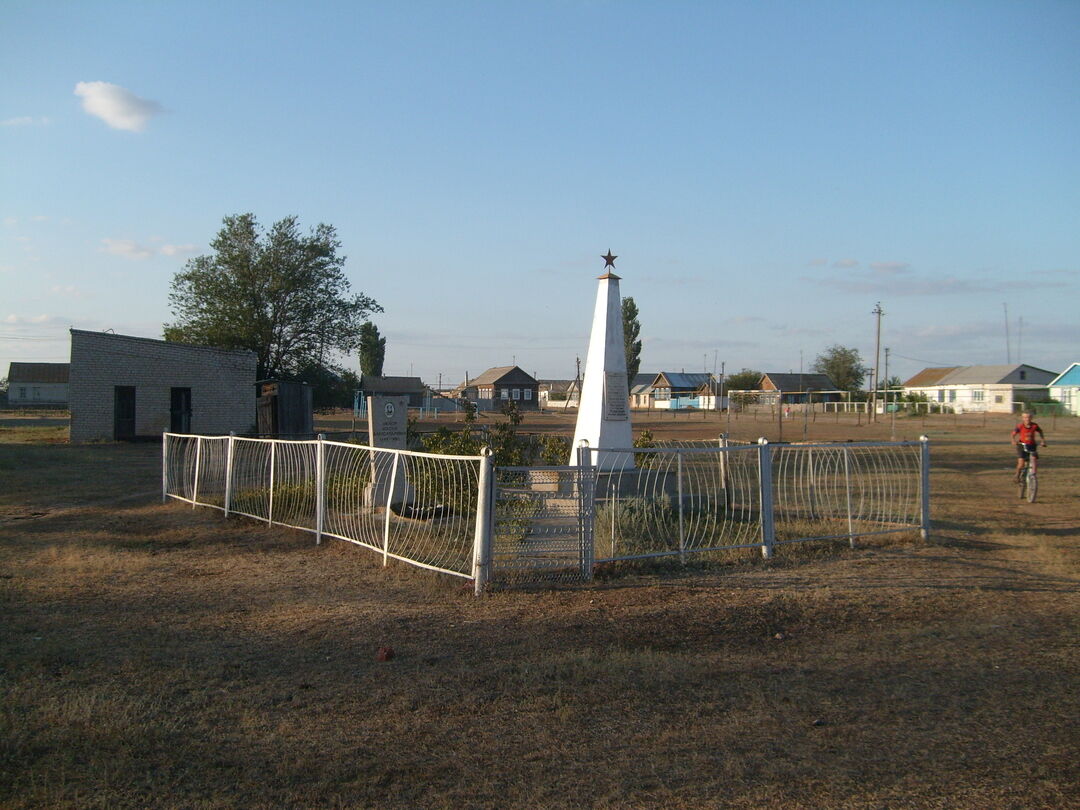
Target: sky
[[766, 172]]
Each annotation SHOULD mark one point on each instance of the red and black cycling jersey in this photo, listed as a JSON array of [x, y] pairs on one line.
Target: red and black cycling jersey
[[1026, 433]]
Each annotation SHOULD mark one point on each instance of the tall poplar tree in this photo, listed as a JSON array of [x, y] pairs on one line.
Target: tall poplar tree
[[631, 328], [372, 350]]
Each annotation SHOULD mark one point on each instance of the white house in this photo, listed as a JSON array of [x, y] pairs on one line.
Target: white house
[[1065, 388], [42, 385], [981, 388]]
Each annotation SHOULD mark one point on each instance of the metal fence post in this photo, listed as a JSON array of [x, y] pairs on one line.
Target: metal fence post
[[924, 486], [320, 486], [164, 467], [586, 508], [389, 510], [847, 493], [679, 485], [198, 459], [765, 492], [229, 471], [270, 506], [482, 537]]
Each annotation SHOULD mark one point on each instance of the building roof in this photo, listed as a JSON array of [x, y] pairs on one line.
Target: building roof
[[115, 338], [1007, 374], [680, 381], [1070, 376], [799, 381], [930, 376], [494, 375], [38, 372], [392, 385]]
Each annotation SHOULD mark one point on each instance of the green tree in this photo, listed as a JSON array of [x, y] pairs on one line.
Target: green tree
[[843, 366], [745, 380], [631, 328], [372, 350], [280, 294]]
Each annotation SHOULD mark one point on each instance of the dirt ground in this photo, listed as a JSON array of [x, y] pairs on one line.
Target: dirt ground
[[158, 656]]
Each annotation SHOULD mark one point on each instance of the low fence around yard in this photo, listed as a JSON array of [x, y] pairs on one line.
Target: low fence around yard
[[462, 516]]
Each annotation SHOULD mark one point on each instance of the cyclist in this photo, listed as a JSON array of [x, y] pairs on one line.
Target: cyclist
[[1023, 438]]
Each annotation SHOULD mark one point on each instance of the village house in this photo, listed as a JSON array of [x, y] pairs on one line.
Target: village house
[[797, 388], [38, 385], [995, 388], [500, 385], [1065, 388], [674, 390]]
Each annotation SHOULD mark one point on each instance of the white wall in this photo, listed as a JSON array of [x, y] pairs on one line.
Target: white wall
[[33, 393]]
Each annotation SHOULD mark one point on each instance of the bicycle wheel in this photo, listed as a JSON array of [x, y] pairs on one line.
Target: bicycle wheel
[[1032, 487]]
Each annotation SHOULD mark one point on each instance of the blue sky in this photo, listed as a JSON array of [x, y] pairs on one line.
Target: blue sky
[[766, 172]]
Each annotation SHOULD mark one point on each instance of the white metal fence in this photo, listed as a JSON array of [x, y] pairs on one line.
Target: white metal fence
[[461, 516], [427, 510]]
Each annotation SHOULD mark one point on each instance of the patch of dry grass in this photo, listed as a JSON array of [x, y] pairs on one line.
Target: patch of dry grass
[[158, 656]]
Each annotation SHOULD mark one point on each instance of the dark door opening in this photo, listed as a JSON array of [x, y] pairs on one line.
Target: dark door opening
[[124, 412], [180, 410]]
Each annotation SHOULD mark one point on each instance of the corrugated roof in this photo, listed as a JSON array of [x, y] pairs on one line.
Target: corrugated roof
[[493, 375], [682, 381], [980, 375], [382, 385], [38, 372], [801, 382], [930, 376]]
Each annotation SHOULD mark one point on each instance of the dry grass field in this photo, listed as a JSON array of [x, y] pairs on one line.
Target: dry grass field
[[158, 656]]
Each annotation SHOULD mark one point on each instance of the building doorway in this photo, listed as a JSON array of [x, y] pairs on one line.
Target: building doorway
[[123, 412], [180, 410]]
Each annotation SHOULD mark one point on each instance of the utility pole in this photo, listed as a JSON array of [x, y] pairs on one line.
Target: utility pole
[[886, 388], [878, 311]]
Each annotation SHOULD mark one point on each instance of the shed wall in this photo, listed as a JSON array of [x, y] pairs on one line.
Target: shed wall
[[221, 383]]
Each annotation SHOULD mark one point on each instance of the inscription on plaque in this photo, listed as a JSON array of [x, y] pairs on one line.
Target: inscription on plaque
[[616, 400], [387, 420]]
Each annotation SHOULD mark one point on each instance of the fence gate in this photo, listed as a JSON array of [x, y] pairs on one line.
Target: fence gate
[[543, 526]]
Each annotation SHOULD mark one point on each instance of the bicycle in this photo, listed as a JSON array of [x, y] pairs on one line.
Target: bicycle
[[1026, 482]]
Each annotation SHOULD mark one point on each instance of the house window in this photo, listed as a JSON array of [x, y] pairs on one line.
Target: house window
[[36, 392], [517, 393], [506, 393], [952, 395], [528, 394], [977, 396], [663, 393], [997, 399], [1023, 374], [941, 395]]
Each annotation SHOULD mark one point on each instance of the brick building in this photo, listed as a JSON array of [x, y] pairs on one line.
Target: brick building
[[123, 387]]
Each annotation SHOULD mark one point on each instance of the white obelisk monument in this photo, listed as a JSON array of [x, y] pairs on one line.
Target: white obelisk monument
[[604, 406]]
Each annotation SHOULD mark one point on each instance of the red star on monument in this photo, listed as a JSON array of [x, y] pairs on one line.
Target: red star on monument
[[609, 259]]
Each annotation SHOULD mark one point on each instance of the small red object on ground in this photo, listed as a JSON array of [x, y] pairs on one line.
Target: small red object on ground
[[384, 654]]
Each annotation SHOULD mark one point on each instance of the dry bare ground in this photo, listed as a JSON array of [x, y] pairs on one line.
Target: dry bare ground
[[158, 656]]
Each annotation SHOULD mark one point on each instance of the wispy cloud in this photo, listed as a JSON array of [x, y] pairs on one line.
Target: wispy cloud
[[67, 291], [128, 248], [116, 106], [817, 262], [24, 121], [904, 285], [846, 263], [178, 250], [889, 268]]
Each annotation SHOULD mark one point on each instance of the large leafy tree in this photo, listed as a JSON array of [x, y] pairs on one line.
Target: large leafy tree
[[372, 350], [631, 328], [745, 380], [844, 367], [281, 294]]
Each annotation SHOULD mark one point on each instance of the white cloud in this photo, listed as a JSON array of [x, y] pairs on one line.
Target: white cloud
[[67, 290], [845, 263], [116, 106], [24, 121], [178, 250], [889, 268], [128, 248]]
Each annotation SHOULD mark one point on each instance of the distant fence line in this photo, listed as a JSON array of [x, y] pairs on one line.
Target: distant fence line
[[462, 516]]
